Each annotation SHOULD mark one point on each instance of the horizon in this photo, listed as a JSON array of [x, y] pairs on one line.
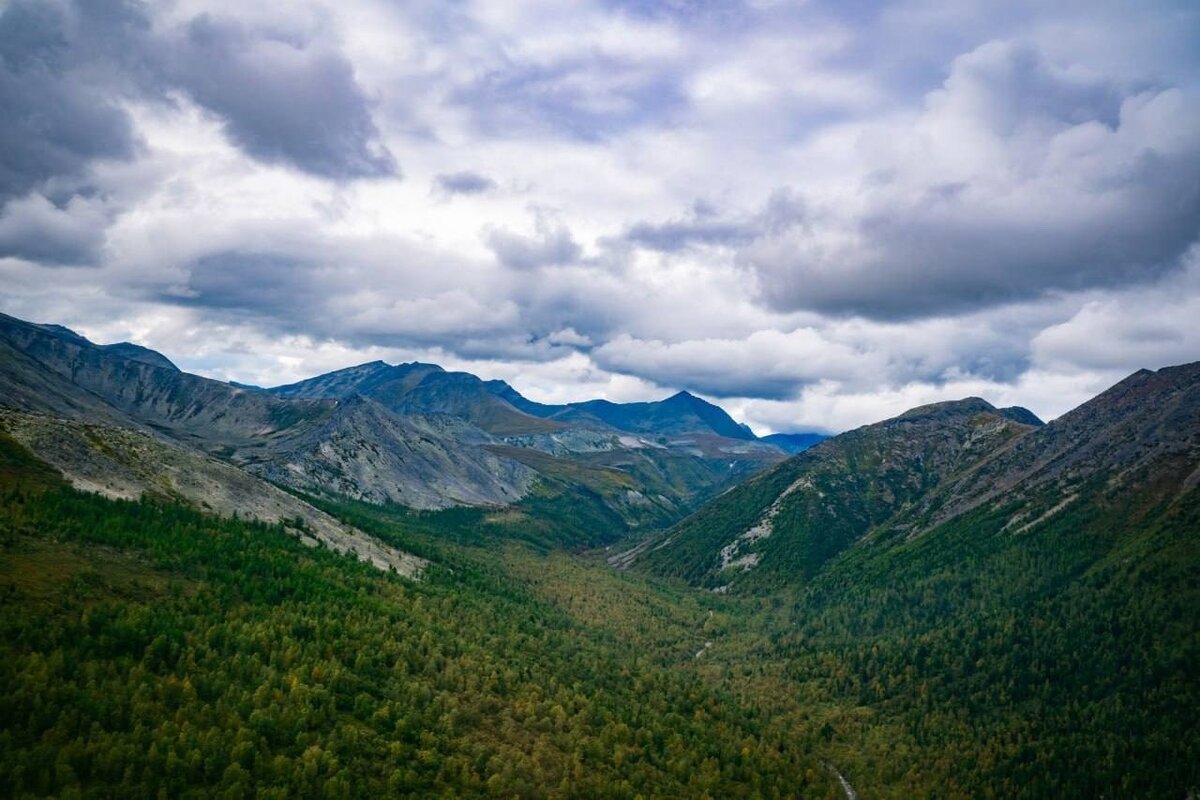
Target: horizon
[[816, 217]]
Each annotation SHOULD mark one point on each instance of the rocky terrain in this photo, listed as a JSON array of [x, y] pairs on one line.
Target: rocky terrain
[[409, 434], [794, 518], [123, 463]]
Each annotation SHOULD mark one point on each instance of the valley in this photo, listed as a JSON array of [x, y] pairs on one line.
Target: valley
[[402, 581]]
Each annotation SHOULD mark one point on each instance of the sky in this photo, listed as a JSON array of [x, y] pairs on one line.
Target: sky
[[817, 214]]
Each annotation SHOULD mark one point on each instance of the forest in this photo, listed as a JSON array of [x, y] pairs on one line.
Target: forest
[[152, 650]]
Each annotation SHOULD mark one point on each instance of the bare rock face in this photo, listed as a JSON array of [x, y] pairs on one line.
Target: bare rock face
[[351, 447], [122, 463], [366, 452]]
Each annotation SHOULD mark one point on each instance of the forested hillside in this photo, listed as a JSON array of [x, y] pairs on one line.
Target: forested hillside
[[148, 649], [1021, 647]]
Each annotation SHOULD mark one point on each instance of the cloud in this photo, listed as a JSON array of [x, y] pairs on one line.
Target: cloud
[[1111, 333], [816, 212], [68, 68], [33, 228], [706, 227], [464, 183], [59, 114], [855, 354], [1019, 177], [283, 98], [257, 283], [551, 245]]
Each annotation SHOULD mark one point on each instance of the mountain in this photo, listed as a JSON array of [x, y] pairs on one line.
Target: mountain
[[793, 443], [957, 602], [678, 415], [409, 434], [1141, 433], [122, 463], [1013, 602], [135, 352], [792, 519], [364, 451], [421, 389], [904, 478], [144, 394]]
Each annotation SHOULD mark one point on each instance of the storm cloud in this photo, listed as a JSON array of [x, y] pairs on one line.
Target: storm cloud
[[60, 102], [283, 97], [1017, 178]]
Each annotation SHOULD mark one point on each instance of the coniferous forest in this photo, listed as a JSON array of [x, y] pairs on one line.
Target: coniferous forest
[[151, 650]]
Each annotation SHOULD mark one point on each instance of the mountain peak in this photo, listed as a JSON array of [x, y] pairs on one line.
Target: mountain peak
[[1022, 415], [135, 352], [947, 408], [411, 365]]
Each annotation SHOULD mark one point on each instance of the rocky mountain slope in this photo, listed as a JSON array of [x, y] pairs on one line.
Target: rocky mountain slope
[[409, 434], [361, 447], [417, 388], [1143, 430], [123, 463], [680, 414], [47, 370]]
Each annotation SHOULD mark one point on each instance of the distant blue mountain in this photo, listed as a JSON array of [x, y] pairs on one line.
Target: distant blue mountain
[[681, 413]]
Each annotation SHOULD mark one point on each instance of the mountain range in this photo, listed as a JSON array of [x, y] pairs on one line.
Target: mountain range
[[958, 601], [413, 435]]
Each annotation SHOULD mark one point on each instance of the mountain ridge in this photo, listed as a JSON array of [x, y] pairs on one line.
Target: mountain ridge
[[412, 434], [913, 473]]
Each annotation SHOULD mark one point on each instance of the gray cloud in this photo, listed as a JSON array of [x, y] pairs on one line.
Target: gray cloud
[[464, 183], [856, 354], [273, 286], [551, 245], [282, 99], [705, 226], [59, 108], [33, 228], [587, 96], [66, 66], [1022, 178]]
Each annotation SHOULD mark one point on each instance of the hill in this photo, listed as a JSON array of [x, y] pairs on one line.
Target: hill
[[786, 523], [1013, 604]]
